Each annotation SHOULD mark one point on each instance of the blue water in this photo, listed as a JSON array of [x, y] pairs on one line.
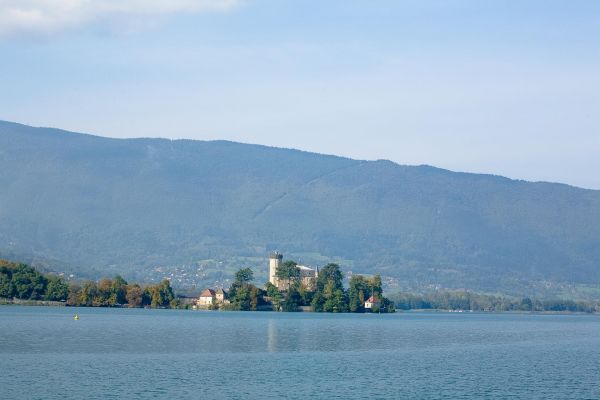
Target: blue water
[[120, 353]]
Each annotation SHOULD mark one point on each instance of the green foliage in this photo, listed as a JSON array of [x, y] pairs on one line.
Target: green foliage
[[293, 298], [24, 282], [243, 295], [7, 288], [288, 273], [244, 275], [330, 274], [57, 289], [274, 294], [358, 293], [330, 295], [329, 282], [28, 283], [361, 289], [160, 295]]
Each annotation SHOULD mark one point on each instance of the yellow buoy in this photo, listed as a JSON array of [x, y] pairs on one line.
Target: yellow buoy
[[76, 317]]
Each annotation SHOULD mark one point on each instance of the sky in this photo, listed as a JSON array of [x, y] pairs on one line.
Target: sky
[[509, 88]]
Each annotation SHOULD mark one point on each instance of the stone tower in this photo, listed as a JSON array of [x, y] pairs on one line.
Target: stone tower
[[274, 260]]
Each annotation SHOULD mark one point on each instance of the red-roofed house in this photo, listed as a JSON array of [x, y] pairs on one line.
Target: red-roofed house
[[371, 302], [206, 297]]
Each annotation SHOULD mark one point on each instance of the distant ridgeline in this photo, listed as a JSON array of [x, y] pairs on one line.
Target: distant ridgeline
[[99, 206]]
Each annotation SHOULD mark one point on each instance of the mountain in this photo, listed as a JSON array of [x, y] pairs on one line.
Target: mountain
[[97, 206]]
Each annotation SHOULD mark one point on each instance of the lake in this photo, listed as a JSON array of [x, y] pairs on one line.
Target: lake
[[137, 353]]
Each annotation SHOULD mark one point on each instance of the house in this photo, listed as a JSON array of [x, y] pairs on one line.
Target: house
[[221, 296], [372, 302], [207, 297]]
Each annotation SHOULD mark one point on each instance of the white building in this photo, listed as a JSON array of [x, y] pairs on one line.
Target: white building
[[308, 276], [206, 298], [372, 302]]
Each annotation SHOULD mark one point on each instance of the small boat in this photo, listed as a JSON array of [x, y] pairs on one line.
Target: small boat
[[76, 317]]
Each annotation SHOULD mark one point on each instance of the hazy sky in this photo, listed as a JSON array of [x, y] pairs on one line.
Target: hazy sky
[[503, 87]]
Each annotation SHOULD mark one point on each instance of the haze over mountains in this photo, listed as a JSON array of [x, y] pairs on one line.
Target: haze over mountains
[[100, 206]]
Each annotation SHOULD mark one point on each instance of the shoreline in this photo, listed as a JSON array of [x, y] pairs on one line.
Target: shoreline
[[48, 303]]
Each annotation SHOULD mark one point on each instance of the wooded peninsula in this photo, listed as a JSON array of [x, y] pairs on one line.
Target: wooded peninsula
[[22, 283]]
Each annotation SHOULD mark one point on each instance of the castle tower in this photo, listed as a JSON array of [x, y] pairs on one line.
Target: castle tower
[[274, 260]]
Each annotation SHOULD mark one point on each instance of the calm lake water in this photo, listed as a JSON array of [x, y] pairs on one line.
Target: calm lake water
[[120, 353]]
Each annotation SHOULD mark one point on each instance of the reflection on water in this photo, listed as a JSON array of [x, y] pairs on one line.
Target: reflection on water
[[271, 336]]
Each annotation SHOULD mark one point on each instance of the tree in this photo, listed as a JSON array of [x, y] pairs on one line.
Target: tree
[[134, 296], [6, 286], [74, 298], [288, 272], [275, 295], [28, 283], [119, 290], [161, 295], [293, 298], [88, 296], [242, 299], [104, 296], [254, 298], [330, 295], [375, 286], [244, 275], [360, 288], [57, 289], [330, 272], [243, 295]]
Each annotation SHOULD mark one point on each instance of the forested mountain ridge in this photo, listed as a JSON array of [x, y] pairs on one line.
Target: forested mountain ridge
[[99, 205]]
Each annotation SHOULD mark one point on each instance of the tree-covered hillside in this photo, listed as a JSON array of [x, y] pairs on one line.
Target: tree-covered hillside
[[102, 206]]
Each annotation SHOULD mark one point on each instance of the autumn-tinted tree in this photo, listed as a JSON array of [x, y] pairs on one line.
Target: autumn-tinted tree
[[134, 296]]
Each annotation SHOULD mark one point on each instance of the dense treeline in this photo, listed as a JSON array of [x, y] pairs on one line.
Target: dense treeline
[[24, 282], [117, 292], [464, 300], [328, 295], [243, 295]]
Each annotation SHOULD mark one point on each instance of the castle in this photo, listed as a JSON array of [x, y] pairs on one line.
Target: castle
[[308, 276]]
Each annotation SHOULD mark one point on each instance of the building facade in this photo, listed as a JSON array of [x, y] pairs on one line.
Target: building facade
[[206, 297], [308, 276]]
